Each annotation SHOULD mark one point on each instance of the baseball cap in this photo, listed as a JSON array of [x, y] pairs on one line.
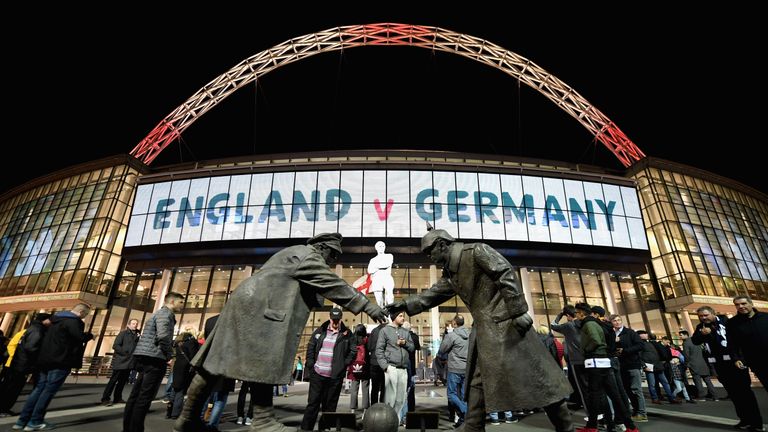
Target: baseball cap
[[335, 313]]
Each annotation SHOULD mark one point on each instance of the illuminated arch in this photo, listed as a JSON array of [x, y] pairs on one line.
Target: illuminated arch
[[433, 38]]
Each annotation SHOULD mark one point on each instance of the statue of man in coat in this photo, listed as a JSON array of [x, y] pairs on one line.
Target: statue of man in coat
[[257, 334], [507, 365]]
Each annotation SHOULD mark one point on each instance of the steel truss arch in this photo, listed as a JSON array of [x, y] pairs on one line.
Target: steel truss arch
[[434, 38]]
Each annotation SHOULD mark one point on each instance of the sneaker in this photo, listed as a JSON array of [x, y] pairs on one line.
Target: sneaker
[[495, 422], [741, 425], [248, 421], [599, 417], [511, 420], [239, 421], [118, 401], [690, 401], [285, 394], [18, 426], [106, 403], [41, 426], [640, 418]]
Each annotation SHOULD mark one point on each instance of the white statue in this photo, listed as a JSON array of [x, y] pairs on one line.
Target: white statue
[[380, 269]]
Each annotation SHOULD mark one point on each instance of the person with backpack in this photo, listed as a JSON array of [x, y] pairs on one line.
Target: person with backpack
[[22, 361], [359, 371]]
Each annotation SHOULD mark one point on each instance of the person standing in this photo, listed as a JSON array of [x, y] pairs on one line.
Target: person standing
[[712, 332], [628, 347], [122, 362], [152, 354], [377, 374], [23, 362], [748, 332], [600, 374], [272, 305], [61, 351], [392, 350], [359, 371], [455, 345], [502, 338], [573, 357], [694, 360], [410, 404], [298, 373], [331, 349]]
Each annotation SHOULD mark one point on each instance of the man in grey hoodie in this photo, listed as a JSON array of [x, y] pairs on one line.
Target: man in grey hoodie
[[454, 345], [392, 350]]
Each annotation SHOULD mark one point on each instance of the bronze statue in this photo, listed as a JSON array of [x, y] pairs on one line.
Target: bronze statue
[[507, 365], [258, 333]]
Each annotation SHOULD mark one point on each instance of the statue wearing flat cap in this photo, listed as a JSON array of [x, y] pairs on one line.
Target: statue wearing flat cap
[[257, 334], [507, 365]]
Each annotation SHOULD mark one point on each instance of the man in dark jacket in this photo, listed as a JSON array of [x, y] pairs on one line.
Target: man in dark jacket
[[122, 362], [377, 374], [600, 376], [23, 362], [152, 354], [628, 347], [331, 348], [712, 332], [653, 367], [748, 334], [272, 305], [62, 349], [501, 339]]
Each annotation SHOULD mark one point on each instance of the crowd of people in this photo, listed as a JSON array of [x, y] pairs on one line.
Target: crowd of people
[[606, 360]]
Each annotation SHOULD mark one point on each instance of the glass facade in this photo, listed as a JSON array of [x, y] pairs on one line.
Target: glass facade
[[705, 238]]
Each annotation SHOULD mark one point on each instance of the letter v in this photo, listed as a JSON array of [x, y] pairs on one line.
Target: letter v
[[383, 214]]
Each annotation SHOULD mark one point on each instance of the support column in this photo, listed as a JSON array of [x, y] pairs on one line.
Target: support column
[[434, 314], [610, 298], [687, 321], [6, 324], [248, 271], [165, 285], [526, 283]]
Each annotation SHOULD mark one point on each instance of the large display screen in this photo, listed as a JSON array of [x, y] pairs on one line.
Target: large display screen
[[381, 203]]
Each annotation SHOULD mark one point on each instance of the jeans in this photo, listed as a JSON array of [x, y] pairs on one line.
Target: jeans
[[680, 387], [508, 415], [632, 380], [658, 375], [219, 400], [455, 388], [48, 383], [170, 393]]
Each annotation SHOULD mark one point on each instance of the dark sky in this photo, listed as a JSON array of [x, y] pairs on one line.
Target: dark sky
[[681, 88]]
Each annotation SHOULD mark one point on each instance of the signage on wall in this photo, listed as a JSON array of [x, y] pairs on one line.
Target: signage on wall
[[379, 203]]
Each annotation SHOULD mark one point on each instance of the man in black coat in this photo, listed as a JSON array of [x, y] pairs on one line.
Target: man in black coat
[[712, 332], [377, 374], [748, 337], [23, 362], [62, 349], [330, 350], [122, 362], [628, 347]]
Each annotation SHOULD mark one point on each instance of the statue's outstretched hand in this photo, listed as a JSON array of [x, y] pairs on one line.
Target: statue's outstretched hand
[[375, 312], [522, 323], [398, 306]]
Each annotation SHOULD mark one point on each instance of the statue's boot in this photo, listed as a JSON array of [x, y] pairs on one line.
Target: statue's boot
[[189, 420], [264, 420], [559, 416]]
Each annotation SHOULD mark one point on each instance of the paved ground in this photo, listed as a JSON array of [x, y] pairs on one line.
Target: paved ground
[[77, 408]]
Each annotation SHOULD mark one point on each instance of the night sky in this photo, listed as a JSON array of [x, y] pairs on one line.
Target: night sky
[[680, 88]]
